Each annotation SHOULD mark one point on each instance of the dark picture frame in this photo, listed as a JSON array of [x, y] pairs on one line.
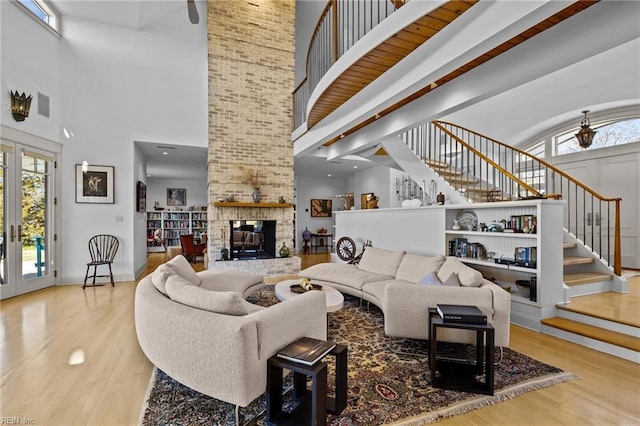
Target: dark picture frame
[[141, 197], [320, 207], [176, 197], [95, 184]]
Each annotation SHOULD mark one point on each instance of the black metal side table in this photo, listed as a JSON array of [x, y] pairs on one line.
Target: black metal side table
[[315, 403], [457, 374]]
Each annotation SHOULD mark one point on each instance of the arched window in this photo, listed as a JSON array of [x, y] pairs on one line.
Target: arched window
[[609, 133]]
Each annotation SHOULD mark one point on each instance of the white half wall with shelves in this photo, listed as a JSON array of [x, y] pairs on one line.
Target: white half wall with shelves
[[428, 230]]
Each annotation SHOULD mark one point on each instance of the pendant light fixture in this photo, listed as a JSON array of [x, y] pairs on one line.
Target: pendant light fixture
[[585, 134]]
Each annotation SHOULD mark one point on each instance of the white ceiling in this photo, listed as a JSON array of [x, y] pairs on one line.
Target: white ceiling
[[181, 162], [132, 14], [166, 161], [165, 15]]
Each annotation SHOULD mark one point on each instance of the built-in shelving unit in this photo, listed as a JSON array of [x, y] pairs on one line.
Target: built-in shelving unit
[[172, 224], [547, 241]]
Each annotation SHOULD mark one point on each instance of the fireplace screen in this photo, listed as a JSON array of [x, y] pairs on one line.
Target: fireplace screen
[[252, 239]]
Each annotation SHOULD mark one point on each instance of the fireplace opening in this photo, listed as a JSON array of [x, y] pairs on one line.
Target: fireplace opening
[[252, 239]]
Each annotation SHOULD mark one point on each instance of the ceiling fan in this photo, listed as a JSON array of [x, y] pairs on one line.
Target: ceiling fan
[[193, 12]]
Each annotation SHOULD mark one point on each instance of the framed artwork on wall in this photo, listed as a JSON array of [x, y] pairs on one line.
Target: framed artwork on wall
[[320, 208], [176, 197], [94, 184], [141, 197]]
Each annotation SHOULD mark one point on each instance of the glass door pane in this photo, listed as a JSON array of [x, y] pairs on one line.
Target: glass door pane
[[26, 220], [35, 212], [3, 220]]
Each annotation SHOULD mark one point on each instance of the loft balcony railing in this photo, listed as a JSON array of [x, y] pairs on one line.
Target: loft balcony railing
[[483, 169], [341, 24]]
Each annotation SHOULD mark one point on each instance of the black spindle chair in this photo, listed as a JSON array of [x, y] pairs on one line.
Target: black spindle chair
[[102, 249]]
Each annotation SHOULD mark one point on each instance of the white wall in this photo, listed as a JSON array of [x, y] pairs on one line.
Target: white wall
[[308, 188], [411, 230], [376, 180], [31, 64], [120, 86], [108, 87], [157, 191]]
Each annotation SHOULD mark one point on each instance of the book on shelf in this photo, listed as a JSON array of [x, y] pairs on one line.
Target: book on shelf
[[461, 313], [306, 350]]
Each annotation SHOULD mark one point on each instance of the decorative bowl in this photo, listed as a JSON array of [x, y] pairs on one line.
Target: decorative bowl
[[296, 288]]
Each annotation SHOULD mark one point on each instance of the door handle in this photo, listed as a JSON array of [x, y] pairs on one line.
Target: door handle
[[588, 219], [12, 234], [19, 233], [598, 219]]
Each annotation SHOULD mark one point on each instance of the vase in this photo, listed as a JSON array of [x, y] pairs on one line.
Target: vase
[[284, 250], [306, 234], [440, 199], [256, 195]]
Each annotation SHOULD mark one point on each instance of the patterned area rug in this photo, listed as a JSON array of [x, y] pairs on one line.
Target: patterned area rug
[[384, 386]]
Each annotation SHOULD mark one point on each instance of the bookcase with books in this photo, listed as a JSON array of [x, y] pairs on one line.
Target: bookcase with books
[[503, 240], [172, 224]]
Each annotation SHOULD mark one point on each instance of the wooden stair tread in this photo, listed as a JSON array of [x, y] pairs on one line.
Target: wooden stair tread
[[436, 163], [462, 179], [597, 333], [576, 260], [602, 314], [480, 189], [569, 245], [585, 278]]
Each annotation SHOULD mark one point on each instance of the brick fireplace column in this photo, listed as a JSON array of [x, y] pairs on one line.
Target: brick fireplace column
[[251, 78]]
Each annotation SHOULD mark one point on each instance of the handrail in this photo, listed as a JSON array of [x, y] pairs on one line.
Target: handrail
[[341, 24], [540, 160], [583, 203], [489, 161]]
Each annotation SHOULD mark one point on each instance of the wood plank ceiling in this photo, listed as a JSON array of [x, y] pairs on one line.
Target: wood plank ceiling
[[390, 52], [384, 56]]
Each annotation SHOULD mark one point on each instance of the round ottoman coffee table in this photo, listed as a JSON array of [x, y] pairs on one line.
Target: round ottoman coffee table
[[335, 299]]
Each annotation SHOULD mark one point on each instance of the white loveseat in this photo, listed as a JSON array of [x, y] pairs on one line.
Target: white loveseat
[[392, 281], [197, 328]]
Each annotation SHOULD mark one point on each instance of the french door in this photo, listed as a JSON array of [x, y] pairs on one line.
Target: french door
[[27, 249]]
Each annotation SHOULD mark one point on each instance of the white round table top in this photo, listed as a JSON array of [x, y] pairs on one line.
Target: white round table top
[[335, 299]]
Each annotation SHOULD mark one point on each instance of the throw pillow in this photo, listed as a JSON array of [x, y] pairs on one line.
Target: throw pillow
[[160, 276], [430, 279], [379, 261], [222, 302], [452, 281], [182, 267], [467, 276], [414, 267]]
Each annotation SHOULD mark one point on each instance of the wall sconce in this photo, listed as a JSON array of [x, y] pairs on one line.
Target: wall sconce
[[585, 134], [20, 105]]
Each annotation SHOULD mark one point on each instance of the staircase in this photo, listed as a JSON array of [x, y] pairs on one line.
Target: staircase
[[473, 168], [588, 327]]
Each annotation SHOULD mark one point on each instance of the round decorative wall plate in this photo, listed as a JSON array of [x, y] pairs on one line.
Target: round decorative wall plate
[[467, 220]]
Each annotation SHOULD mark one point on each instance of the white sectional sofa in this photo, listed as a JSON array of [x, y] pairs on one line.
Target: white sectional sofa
[[197, 328], [392, 281]]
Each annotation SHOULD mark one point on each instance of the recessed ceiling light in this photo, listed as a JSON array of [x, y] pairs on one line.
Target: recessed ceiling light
[[165, 153], [355, 167], [329, 175]]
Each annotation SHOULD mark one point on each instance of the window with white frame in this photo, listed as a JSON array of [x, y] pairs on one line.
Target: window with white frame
[[42, 11], [609, 133]]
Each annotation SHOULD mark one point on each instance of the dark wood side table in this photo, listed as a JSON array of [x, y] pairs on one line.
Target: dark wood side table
[[321, 241], [457, 374], [315, 403]]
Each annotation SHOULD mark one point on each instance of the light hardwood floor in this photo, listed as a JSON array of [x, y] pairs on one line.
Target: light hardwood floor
[[42, 332]]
